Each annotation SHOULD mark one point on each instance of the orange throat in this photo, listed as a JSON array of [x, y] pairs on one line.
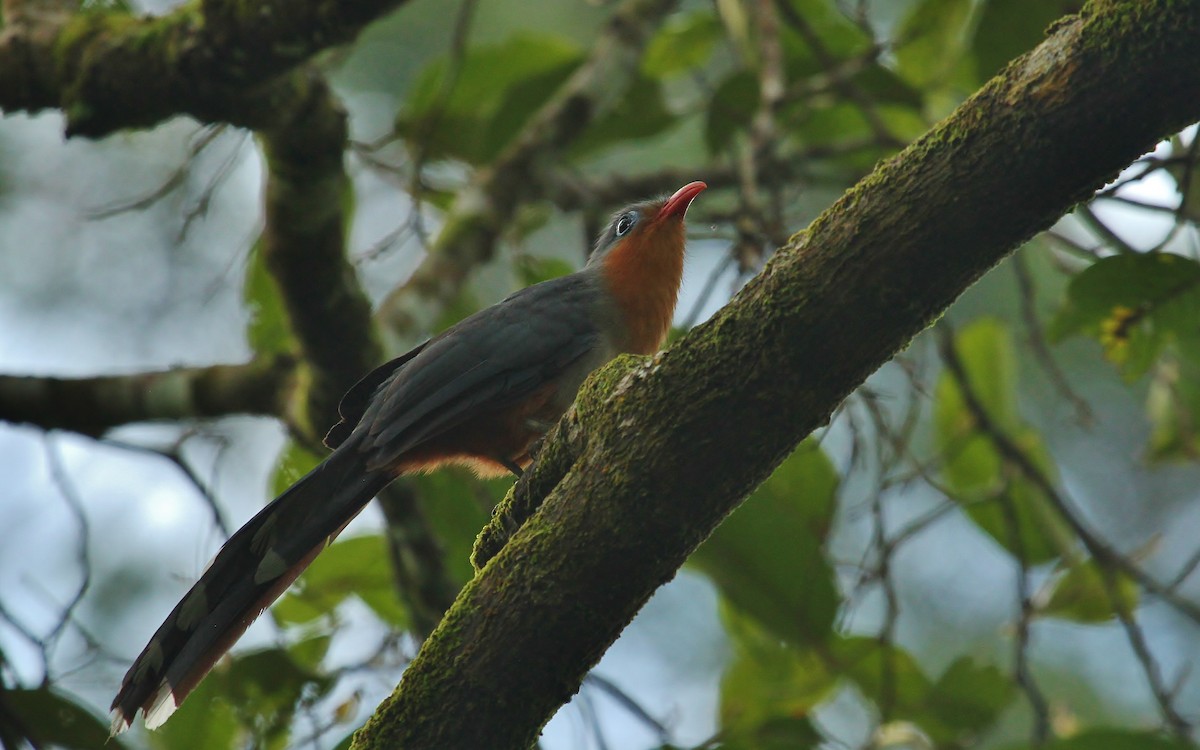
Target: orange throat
[[643, 274]]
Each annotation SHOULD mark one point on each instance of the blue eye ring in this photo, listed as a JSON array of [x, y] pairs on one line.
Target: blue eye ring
[[625, 223]]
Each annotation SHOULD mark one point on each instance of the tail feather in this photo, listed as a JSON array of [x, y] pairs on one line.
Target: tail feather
[[254, 568]]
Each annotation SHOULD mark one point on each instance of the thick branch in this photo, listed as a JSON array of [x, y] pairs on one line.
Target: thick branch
[[678, 443], [93, 405], [108, 71], [304, 247]]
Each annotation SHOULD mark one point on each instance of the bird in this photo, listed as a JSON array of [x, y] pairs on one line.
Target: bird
[[480, 393]]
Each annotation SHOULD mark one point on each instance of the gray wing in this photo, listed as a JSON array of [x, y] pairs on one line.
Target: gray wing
[[355, 402], [493, 359]]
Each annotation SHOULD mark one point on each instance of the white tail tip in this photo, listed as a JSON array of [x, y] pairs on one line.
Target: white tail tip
[[163, 706]]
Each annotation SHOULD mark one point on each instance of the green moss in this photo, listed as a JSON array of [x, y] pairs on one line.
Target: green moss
[[161, 34], [75, 34], [603, 383]]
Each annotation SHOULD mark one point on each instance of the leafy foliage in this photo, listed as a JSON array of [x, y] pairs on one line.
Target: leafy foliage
[[1112, 739], [1088, 593], [472, 110], [267, 331], [350, 567], [47, 718], [757, 556], [1008, 506], [1135, 305]]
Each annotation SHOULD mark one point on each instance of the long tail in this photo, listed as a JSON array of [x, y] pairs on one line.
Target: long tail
[[252, 570]]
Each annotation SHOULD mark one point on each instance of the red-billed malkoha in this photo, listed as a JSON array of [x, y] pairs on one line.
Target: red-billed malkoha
[[480, 393]]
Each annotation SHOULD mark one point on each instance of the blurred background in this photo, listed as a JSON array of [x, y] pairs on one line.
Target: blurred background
[[992, 544]]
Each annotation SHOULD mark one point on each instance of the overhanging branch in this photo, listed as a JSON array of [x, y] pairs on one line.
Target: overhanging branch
[[93, 405], [110, 70]]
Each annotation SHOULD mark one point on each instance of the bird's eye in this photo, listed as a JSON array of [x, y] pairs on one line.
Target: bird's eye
[[625, 223]]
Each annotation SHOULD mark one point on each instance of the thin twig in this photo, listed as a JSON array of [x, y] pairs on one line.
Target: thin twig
[[207, 135], [1111, 238], [1137, 641], [832, 67], [629, 704], [83, 557], [1012, 454], [173, 453], [1037, 341], [201, 205], [710, 285]]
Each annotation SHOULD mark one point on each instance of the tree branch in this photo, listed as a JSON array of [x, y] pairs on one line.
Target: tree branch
[[209, 59], [304, 248], [671, 445], [93, 405]]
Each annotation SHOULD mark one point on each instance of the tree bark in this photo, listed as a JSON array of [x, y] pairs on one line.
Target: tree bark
[[658, 451], [212, 60], [92, 406]]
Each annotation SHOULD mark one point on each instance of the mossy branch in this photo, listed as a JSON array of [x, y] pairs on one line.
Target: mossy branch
[[92, 406], [682, 440], [303, 242], [211, 59]]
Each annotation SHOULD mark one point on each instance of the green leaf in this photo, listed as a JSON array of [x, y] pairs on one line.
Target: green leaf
[[885, 87], [767, 678], [833, 121], [52, 719], [990, 362], [1134, 305], [682, 43], [205, 721], [932, 41], [457, 505], [526, 220], [1040, 534], [766, 557], [966, 700], [534, 269], [731, 109], [840, 37], [885, 674], [973, 468], [639, 113], [309, 652], [247, 701], [294, 462], [1008, 28], [1173, 408], [492, 95], [971, 464], [269, 682], [357, 566], [267, 331], [1081, 595], [776, 733], [1111, 739]]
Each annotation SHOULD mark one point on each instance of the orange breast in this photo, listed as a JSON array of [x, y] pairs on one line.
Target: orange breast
[[643, 274]]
